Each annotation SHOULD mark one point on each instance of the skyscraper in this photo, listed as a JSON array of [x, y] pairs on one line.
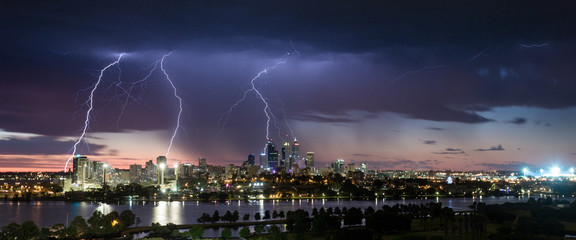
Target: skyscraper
[[296, 150], [310, 159], [202, 166], [251, 159], [285, 156], [263, 159], [160, 160], [272, 154], [338, 166], [81, 167]]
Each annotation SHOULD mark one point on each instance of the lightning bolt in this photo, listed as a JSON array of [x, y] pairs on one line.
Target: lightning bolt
[[179, 100], [269, 115], [90, 103], [535, 45], [129, 92]]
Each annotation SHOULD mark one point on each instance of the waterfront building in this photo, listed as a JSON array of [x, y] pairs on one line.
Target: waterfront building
[[251, 159], [202, 166], [272, 154]]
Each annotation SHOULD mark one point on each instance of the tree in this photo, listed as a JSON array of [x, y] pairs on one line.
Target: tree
[[235, 216], [257, 216], [78, 227], [215, 216], [196, 232], [227, 216], [244, 233], [275, 214], [298, 221], [226, 233], [281, 214], [259, 229], [353, 216], [127, 217], [266, 214], [275, 232], [246, 217]]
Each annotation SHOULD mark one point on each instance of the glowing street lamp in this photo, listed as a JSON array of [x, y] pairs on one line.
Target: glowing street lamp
[[162, 167], [525, 170], [555, 171], [104, 175], [176, 173]]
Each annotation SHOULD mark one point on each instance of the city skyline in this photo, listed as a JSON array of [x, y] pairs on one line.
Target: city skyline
[[461, 85]]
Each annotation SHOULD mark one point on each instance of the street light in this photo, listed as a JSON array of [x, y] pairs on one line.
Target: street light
[[176, 173], [104, 175], [162, 166], [525, 170]]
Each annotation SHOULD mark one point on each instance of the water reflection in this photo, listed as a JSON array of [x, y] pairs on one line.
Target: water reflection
[[46, 214]]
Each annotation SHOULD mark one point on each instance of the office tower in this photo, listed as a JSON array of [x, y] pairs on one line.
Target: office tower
[[135, 172], [363, 167], [150, 169], [160, 160], [251, 159], [296, 150], [186, 169], [310, 159], [272, 154], [285, 156], [202, 166], [338, 166], [263, 160], [81, 168]]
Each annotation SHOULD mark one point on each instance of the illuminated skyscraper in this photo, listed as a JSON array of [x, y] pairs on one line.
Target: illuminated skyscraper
[[202, 166], [338, 166], [272, 154], [310, 159], [296, 150], [285, 156], [81, 170], [160, 160]]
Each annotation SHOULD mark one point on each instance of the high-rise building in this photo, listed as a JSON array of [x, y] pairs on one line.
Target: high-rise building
[[251, 159], [202, 166], [310, 159], [296, 150], [263, 160], [272, 154], [285, 156], [363, 167], [150, 169], [161, 160], [338, 166], [81, 169], [135, 172]]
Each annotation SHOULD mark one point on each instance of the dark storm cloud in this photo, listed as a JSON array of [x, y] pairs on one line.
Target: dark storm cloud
[[428, 142], [42, 145], [356, 60], [518, 121], [451, 151], [494, 148], [362, 155], [511, 166], [436, 128], [409, 164]]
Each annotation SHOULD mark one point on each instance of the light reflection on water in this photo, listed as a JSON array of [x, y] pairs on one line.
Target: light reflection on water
[[48, 213]]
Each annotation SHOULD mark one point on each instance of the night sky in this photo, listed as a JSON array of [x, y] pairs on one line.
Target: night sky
[[395, 84]]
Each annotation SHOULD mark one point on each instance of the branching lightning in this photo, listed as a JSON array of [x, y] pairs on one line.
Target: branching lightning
[[129, 92], [269, 114], [535, 45], [179, 100], [90, 103]]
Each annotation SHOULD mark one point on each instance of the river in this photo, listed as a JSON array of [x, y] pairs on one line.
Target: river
[[48, 213]]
